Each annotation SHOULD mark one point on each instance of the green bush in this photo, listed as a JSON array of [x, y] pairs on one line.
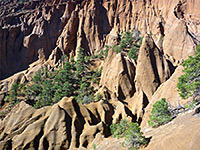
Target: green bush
[[189, 83], [134, 137], [131, 131], [13, 92], [118, 129], [127, 40], [133, 53], [99, 96], [117, 48], [191, 105], [106, 50], [159, 114]]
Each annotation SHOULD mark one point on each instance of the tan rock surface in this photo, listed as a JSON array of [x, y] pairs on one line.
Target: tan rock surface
[[152, 67], [52, 28], [66, 124], [181, 133], [118, 74], [151, 71], [92, 24], [166, 90]]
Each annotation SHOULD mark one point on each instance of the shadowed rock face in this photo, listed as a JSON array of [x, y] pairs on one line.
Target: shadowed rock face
[[26, 28]]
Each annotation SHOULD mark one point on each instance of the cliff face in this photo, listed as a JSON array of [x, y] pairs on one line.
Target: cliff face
[[49, 28], [29, 27]]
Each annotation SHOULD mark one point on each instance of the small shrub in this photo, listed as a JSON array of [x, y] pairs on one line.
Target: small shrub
[[191, 105], [131, 131], [159, 114], [13, 93], [99, 97], [106, 50], [133, 53], [117, 130], [117, 49], [127, 40], [134, 137], [94, 146]]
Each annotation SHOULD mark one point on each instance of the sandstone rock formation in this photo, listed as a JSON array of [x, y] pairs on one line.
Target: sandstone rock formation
[[66, 25], [64, 125], [44, 30], [166, 90], [181, 133], [118, 74]]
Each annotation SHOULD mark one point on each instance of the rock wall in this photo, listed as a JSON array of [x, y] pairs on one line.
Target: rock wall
[[66, 25]]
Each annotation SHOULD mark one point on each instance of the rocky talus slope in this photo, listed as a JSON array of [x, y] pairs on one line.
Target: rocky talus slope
[[37, 33]]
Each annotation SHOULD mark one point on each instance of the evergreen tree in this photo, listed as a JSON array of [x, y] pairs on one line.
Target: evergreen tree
[[127, 40], [133, 53], [80, 63], [189, 83], [13, 92], [159, 114]]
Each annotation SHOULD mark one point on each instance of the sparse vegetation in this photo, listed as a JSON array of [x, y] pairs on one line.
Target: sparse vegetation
[[71, 79], [130, 41], [13, 92], [189, 83], [131, 131], [159, 114], [94, 147], [191, 105], [99, 96], [117, 129], [134, 137]]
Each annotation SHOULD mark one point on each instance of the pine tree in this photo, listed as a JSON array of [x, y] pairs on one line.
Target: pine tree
[[189, 83], [80, 63], [159, 114]]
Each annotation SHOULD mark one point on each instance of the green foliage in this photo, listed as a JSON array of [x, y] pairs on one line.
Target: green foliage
[[117, 49], [159, 114], [130, 41], [132, 53], [80, 63], [106, 50], [99, 96], [118, 129], [48, 87], [191, 105], [189, 83], [131, 131], [94, 146], [127, 40], [134, 137], [13, 92]]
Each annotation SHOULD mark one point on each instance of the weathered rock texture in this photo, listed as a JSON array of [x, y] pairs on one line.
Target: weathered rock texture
[[47, 29], [64, 125], [118, 74], [45, 25], [181, 133]]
